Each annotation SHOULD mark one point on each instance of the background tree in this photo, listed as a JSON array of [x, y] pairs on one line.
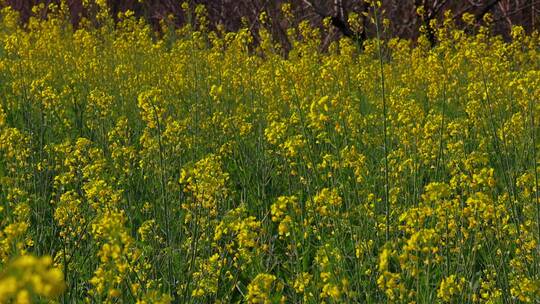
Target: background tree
[[407, 17]]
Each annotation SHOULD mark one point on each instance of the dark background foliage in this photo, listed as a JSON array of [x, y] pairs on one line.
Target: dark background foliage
[[405, 22]]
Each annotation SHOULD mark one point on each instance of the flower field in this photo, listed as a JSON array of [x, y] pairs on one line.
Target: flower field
[[193, 165]]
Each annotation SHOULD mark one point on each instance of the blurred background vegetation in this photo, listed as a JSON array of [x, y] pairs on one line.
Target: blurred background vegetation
[[408, 18]]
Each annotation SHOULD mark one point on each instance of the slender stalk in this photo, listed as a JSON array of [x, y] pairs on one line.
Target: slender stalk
[[535, 167], [497, 146], [440, 155], [385, 126], [163, 198]]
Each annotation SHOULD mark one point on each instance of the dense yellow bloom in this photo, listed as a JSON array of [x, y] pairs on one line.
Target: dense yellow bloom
[[28, 276], [275, 132], [283, 211], [524, 289], [191, 164], [2, 117], [450, 286], [245, 229], [302, 282], [262, 290], [207, 276], [334, 285], [152, 110], [326, 202], [390, 282], [206, 182]]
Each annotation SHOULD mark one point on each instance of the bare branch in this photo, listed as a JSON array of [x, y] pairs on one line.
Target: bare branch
[[486, 10], [315, 8], [337, 20], [437, 7]]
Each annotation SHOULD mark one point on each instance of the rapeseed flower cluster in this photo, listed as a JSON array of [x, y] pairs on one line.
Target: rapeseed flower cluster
[[27, 277]]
